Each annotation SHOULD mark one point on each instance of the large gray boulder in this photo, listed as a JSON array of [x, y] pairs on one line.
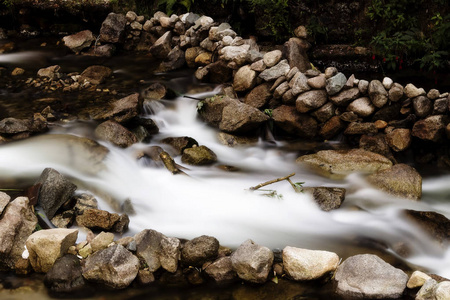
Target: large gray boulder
[[79, 41], [66, 276], [199, 250], [114, 266], [367, 276], [303, 264], [252, 262], [17, 223], [113, 28]]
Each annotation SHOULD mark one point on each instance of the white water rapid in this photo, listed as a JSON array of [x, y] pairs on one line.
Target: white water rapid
[[215, 202]]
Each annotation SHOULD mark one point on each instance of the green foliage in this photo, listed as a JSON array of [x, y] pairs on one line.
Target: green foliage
[[317, 30], [200, 105], [272, 194], [268, 112], [169, 5], [298, 186]]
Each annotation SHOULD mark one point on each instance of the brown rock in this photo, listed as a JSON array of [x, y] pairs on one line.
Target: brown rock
[[95, 74], [79, 41], [376, 143], [288, 119], [115, 133], [310, 100], [325, 112], [318, 82], [120, 110], [97, 219], [344, 97], [296, 54], [332, 128], [259, 96], [399, 139], [431, 128], [197, 156], [435, 224], [422, 106], [361, 128], [328, 198], [179, 144], [244, 79]]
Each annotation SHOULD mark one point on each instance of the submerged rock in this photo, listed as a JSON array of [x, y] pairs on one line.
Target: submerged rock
[[328, 198], [435, 224], [198, 156]]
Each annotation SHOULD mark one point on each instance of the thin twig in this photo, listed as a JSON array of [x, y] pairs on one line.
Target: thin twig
[[271, 181]]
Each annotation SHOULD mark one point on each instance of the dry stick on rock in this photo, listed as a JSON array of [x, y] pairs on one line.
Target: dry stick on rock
[[253, 188]]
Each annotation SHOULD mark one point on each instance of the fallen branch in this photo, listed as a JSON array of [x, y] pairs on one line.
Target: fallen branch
[[253, 188], [169, 163]]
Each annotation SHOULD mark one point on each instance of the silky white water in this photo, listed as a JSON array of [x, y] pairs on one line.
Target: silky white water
[[215, 202]]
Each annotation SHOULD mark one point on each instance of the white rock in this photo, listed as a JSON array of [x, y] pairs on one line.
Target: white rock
[[387, 83], [272, 58], [411, 91], [417, 279]]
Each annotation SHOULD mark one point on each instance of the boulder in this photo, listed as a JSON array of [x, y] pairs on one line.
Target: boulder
[[101, 241], [179, 144], [252, 262], [114, 266], [191, 54], [335, 84], [79, 41], [327, 198], [244, 79], [375, 143], [422, 106], [361, 128], [344, 97], [432, 290], [400, 180], [281, 90], [97, 219], [399, 139], [162, 46], [259, 96], [237, 54], [303, 264], [46, 246], [95, 74], [377, 93], [433, 94], [51, 72], [113, 28], [362, 107], [66, 277], [198, 156], [18, 221], [170, 253], [363, 86], [318, 82], [310, 100], [395, 92], [330, 72], [54, 191], [14, 126], [440, 106], [433, 223], [221, 270], [417, 279], [102, 50], [288, 119], [83, 202], [299, 83], [120, 110], [218, 72], [115, 133], [199, 250], [339, 163], [238, 117], [232, 140], [296, 54], [148, 248], [332, 127], [369, 277], [271, 58], [4, 200], [175, 59], [431, 128], [387, 83], [325, 112], [280, 69], [411, 91]]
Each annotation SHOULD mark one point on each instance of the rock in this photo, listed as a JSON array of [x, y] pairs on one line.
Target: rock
[[431, 128], [330, 72], [288, 119], [432, 290], [115, 133], [433, 223], [440, 106], [303, 264], [252, 262], [240, 118], [17, 72], [170, 253], [350, 82], [148, 248], [237, 54], [272, 58], [179, 144], [328, 198], [318, 82], [387, 83], [83, 202], [162, 46], [102, 241], [281, 90], [131, 16], [296, 54], [102, 50], [4, 200], [203, 59], [79, 41], [375, 143], [325, 112], [198, 156], [55, 190], [199, 250], [335, 84], [95, 74], [259, 96], [332, 127], [361, 128], [395, 92], [400, 180], [244, 79], [301, 32], [433, 94], [49, 72], [362, 107], [46, 246], [114, 266], [412, 92], [258, 66], [417, 279], [363, 86], [399, 139], [231, 140], [121, 110], [65, 276], [18, 221], [221, 270], [113, 28], [368, 276], [175, 59], [145, 277], [339, 163], [64, 219], [280, 69], [422, 106], [377, 93], [219, 72], [344, 97], [299, 84], [97, 219], [310, 100]]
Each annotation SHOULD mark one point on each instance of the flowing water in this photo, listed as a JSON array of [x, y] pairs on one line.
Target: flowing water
[[216, 202]]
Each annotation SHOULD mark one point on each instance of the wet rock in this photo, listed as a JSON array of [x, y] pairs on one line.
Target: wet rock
[[113, 28], [170, 253], [304, 264], [422, 106], [288, 119], [179, 144], [310, 100], [299, 83], [13, 125], [280, 69], [155, 91], [272, 58], [46, 246], [332, 127], [238, 117], [339, 163], [120, 110], [198, 156], [344, 97], [361, 128], [362, 107], [115, 133], [296, 54], [318, 82], [79, 41], [55, 190], [101, 241], [97, 219], [221, 270], [244, 79], [83, 202], [431, 128], [203, 59], [325, 112], [235, 140], [396, 92], [162, 46], [368, 276], [377, 93], [252, 262], [65, 276], [417, 279], [259, 96], [399, 139], [4, 200], [17, 222], [335, 84], [400, 180], [115, 267], [51, 72], [199, 250], [432, 290], [433, 223], [122, 224], [95, 74], [375, 143], [328, 198], [411, 91]]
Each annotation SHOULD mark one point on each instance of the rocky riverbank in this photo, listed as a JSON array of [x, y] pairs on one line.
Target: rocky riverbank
[[381, 119]]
